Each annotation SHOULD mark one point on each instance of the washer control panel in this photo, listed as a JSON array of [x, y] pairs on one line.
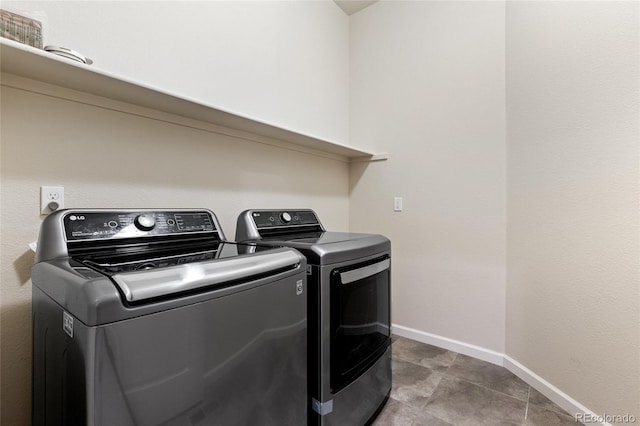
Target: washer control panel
[[280, 218], [126, 224]]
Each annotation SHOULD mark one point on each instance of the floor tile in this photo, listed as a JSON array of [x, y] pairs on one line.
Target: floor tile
[[538, 416], [412, 383], [422, 354], [465, 404], [489, 375], [542, 401], [396, 413]]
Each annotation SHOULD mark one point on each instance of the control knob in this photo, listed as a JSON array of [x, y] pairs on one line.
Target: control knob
[[145, 222], [286, 217]]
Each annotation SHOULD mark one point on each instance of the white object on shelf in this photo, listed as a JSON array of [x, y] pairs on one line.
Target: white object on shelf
[[35, 64], [65, 52]]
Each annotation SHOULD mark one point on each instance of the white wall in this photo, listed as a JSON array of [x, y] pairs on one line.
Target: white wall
[[427, 86], [281, 62], [573, 292]]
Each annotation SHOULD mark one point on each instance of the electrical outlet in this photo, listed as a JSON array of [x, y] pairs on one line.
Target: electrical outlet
[[397, 204], [51, 199]]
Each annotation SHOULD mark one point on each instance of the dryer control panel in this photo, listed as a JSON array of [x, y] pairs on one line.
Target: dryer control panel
[[271, 218], [92, 225], [256, 225]]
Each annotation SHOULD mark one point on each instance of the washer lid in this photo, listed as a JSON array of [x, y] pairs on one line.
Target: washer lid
[[138, 286]]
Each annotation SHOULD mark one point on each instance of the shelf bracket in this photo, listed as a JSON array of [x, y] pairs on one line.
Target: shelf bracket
[[383, 156]]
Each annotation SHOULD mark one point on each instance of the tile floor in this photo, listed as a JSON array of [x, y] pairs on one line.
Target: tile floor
[[434, 386]]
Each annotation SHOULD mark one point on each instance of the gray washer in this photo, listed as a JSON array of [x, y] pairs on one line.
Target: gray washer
[[327, 253], [230, 350]]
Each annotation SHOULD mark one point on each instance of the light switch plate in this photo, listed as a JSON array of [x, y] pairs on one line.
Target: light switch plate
[[397, 204]]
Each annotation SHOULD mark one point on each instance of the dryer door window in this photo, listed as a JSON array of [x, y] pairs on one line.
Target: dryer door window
[[360, 318]]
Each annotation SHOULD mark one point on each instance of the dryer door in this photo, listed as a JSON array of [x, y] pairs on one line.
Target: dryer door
[[360, 318]]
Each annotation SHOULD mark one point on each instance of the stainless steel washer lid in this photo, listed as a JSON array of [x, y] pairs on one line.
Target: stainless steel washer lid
[[148, 284], [78, 257]]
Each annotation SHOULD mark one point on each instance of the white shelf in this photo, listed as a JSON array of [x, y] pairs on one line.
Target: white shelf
[[35, 64]]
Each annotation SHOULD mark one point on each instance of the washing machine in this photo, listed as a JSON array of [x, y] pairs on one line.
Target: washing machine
[[150, 317], [349, 313]]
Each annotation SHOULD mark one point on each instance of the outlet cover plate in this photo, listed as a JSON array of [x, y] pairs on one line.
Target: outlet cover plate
[[50, 196]]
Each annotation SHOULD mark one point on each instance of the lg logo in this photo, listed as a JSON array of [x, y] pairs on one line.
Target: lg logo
[[74, 217]]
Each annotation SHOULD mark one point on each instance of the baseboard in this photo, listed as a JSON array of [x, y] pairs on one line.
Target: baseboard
[[450, 344], [563, 400]]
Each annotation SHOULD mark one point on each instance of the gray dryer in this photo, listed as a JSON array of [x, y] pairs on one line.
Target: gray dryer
[[349, 281]]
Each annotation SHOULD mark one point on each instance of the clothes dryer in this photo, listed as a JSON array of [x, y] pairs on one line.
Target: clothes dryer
[[349, 290]]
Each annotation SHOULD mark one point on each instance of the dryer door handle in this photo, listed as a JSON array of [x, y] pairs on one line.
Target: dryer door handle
[[364, 272]]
